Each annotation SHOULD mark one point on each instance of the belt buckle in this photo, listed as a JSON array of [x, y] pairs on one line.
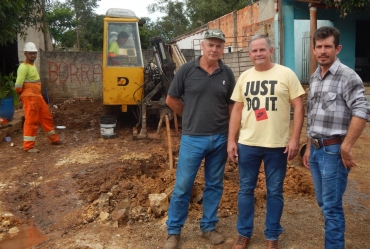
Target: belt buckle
[[315, 143]]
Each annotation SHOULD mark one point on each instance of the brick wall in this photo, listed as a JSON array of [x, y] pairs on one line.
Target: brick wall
[[238, 27]]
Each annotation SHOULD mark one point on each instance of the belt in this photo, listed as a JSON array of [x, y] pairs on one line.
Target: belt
[[318, 143]]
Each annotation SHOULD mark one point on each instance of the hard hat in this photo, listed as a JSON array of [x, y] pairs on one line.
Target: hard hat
[[29, 47]]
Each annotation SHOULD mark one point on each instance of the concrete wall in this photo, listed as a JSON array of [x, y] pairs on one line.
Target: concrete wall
[[78, 75], [71, 74], [266, 9], [301, 26]]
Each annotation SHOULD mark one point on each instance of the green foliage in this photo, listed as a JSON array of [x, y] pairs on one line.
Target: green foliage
[[173, 24], [347, 6], [73, 23], [16, 16], [69, 38], [83, 13], [145, 33], [7, 83], [94, 33], [59, 17]]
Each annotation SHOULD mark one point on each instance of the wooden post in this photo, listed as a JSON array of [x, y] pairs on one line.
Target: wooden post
[[313, 27], [169, 141]]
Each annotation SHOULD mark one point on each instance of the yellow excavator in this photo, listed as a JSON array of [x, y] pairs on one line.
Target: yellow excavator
[[127, 81]]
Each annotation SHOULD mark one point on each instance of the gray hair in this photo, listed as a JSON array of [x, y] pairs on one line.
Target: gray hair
[[260, 36]]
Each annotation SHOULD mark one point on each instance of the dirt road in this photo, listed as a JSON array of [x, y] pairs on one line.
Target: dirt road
[[68, 196]]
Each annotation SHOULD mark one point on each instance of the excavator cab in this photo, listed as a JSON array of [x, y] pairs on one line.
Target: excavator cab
[[123, 65], [126, 81]]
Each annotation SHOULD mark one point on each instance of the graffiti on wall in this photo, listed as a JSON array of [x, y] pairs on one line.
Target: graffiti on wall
[[63, 73]]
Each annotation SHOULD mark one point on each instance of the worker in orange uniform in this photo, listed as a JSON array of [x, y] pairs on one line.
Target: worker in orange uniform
[[36, 111]]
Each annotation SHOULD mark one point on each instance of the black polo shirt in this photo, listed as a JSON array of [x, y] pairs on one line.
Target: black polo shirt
[[206, 98]]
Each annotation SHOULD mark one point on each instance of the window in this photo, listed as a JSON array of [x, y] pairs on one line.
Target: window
[[123, 46]]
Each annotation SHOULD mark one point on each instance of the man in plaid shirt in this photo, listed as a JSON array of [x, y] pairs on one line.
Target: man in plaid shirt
[[337, 111]]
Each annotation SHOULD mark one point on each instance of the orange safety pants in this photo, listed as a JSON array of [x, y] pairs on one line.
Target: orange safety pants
[[36, 112]]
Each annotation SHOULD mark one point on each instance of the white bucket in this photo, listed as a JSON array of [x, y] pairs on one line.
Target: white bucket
[[108, 126]]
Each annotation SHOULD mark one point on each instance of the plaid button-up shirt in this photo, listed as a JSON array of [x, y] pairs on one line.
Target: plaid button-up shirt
[[333, 100]]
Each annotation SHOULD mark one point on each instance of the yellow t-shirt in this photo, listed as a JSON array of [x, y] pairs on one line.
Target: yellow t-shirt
[[266, 113], [114, 48]]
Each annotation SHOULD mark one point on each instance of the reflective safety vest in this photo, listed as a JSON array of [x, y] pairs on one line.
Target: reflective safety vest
[[28, 80]]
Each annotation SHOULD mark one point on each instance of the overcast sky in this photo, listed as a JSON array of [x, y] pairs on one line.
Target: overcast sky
[[139, 7]]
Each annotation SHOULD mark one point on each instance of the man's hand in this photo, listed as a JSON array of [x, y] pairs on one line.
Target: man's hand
[[347, 156], [232, 151], [306, 157], [355, 129], [292, 148]]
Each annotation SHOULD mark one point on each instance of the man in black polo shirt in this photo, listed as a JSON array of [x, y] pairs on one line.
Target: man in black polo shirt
[[200, 93]]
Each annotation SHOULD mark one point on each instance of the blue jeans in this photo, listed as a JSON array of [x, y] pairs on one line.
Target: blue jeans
[[193, 149], [249, 162], [330, 180]]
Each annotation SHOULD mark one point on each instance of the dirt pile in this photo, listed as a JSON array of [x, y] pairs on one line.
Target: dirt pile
[[143, 171]]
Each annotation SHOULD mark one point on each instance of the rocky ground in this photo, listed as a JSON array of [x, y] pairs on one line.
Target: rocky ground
[[92, 193]]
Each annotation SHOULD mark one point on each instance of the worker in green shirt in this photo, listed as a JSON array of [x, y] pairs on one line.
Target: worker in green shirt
[[113, 50]]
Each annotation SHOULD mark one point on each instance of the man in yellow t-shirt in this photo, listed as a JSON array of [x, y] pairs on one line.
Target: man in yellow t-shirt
[[263, 97]]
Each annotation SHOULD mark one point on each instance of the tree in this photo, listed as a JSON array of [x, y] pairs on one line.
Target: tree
[[93, 36], [16, 16], [145, 33], [84, 11], [60, 19], [74, 23], [347, 6], [174, 23]]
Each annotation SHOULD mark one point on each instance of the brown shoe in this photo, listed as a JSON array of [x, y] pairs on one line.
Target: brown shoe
[[241, 242], [57, 142], [214, 237], [273, 244], [172, 241]]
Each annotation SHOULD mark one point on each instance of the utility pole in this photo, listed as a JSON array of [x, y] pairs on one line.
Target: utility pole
[[313, 27]]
